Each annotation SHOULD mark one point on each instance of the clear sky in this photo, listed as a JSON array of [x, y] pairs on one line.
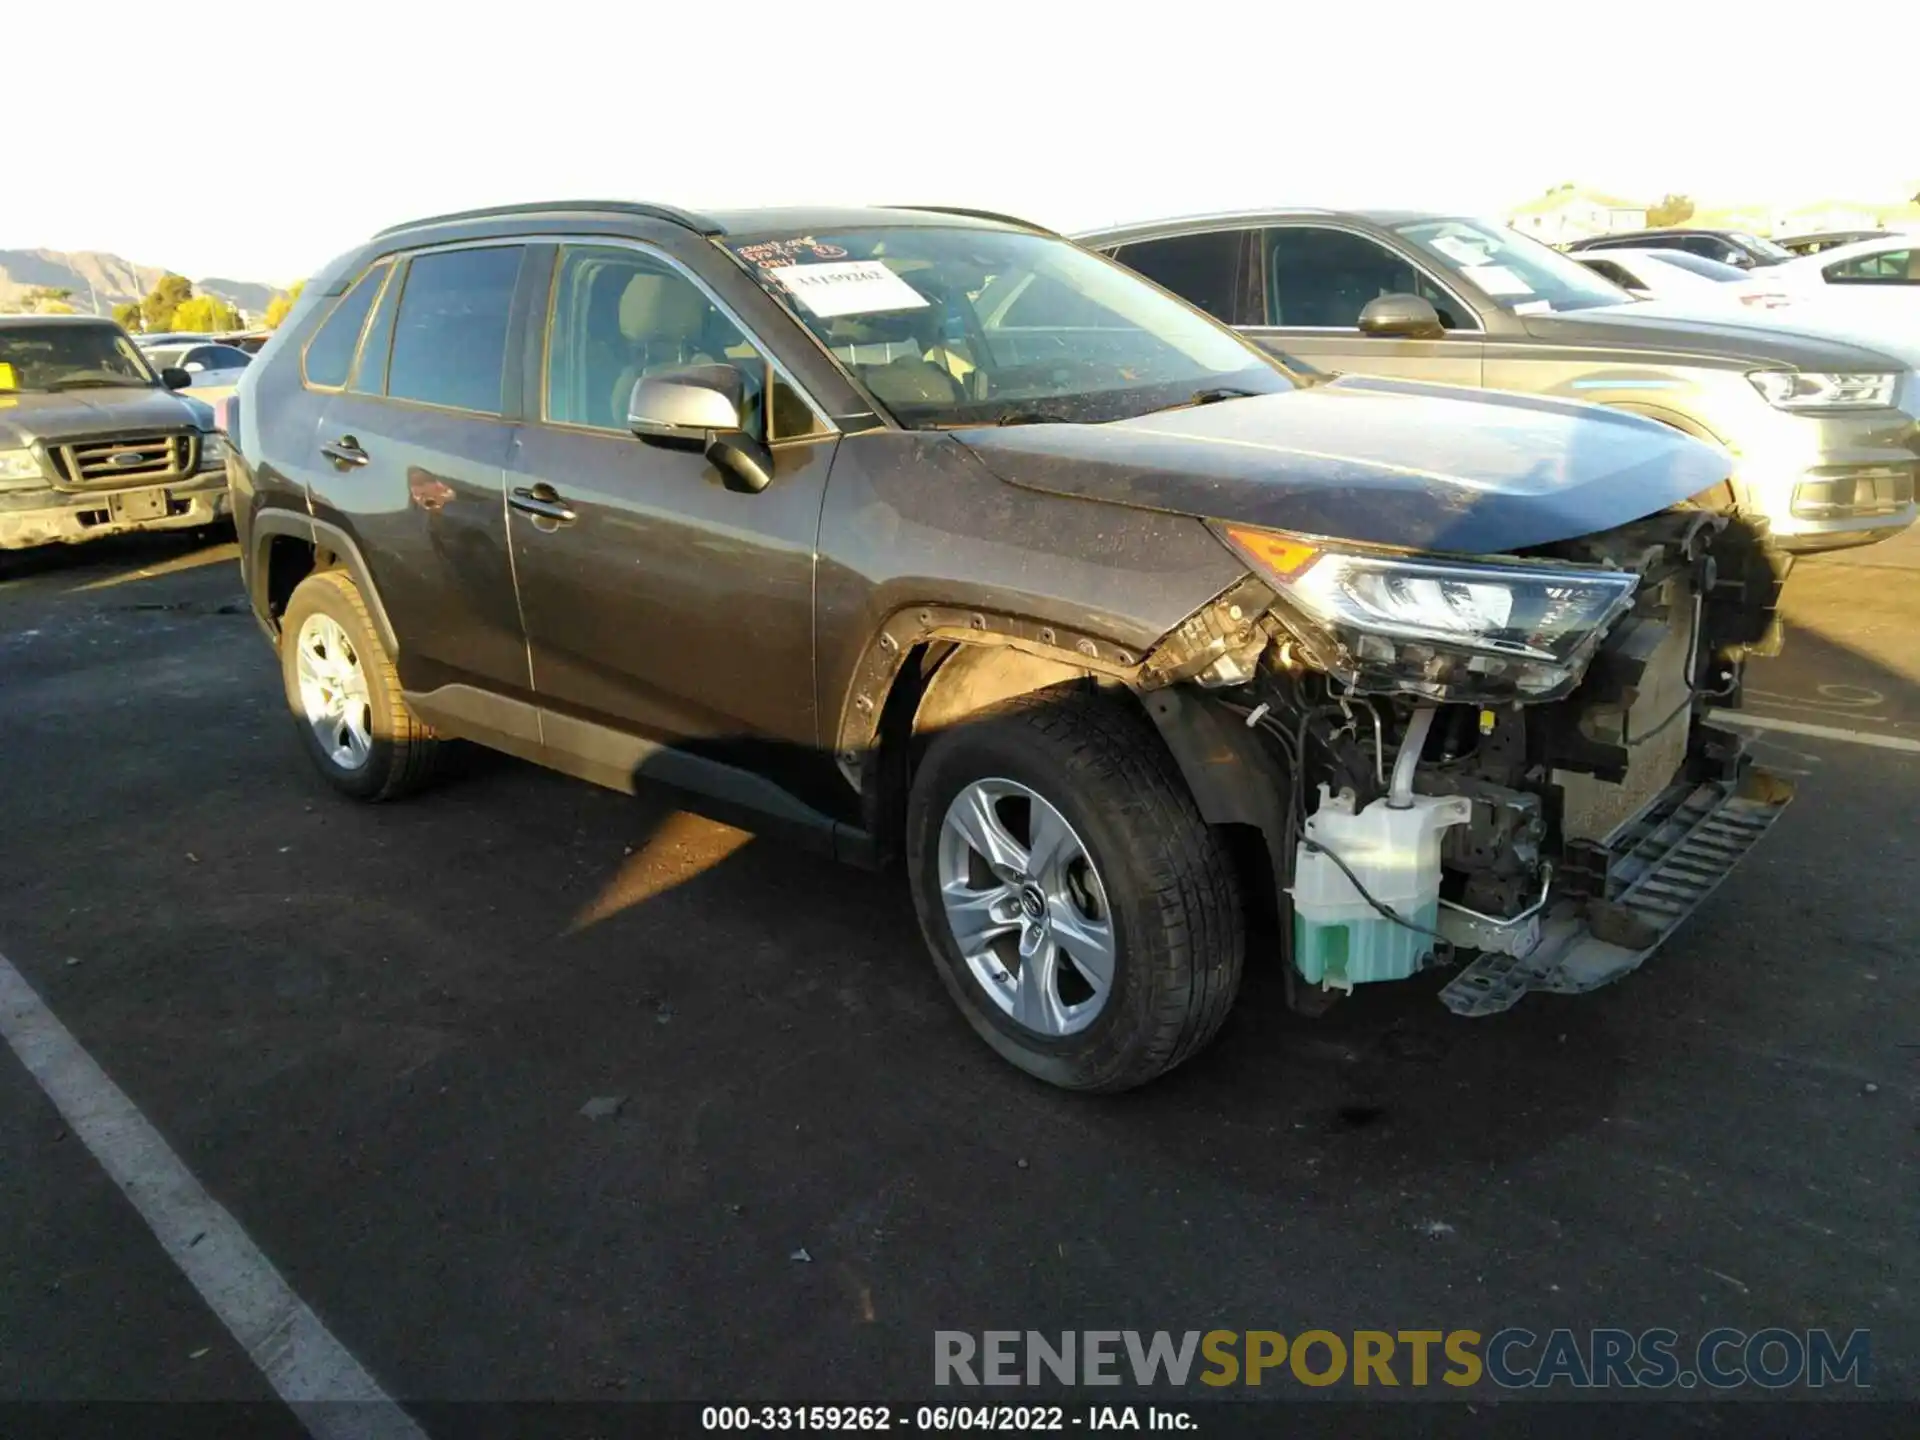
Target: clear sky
[[347, 116]]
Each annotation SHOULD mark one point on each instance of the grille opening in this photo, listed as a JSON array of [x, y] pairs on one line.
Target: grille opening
[[126, 460]]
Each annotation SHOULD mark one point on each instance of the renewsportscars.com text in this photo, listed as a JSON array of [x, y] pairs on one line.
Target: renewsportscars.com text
[[1513, 1358]]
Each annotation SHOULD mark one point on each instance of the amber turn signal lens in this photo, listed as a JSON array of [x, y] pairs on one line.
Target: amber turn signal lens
[[1284, 555]]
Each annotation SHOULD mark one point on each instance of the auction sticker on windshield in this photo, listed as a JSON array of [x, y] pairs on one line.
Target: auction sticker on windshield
[[847, 287], [1496, 280]]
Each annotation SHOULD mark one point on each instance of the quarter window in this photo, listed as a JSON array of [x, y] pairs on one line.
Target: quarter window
[[450, 334], [1324, 278], [620, 315], [370, 370], [1213, 271], [330, 353]]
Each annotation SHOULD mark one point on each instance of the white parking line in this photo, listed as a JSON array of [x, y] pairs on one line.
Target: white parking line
[[1818, 732], [334, 1398]]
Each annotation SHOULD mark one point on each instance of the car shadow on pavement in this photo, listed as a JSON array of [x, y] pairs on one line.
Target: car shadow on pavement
[[1385, 1086], [121, 558]]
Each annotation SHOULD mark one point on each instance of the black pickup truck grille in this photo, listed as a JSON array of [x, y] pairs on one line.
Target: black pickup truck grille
[[126, 461]]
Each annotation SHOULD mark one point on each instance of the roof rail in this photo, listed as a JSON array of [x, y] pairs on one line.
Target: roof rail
[[977, 215], [668, 213]]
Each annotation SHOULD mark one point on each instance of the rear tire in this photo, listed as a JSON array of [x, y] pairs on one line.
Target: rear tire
[[1068, 772], [345, 695]]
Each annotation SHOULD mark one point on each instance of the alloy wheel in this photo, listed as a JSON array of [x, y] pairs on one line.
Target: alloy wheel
[[1027, 907], [334, 694]]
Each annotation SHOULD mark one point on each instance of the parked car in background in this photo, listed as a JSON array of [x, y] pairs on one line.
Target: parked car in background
[[93, 441], [1729, 247], [1823, 427], [1677, 275], [1871, 283], [211, 366], [1827, 240], [172, 337], [931, 534]]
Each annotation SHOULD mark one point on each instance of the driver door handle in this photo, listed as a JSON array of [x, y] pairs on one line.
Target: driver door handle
[[345, 452], [543, 502]]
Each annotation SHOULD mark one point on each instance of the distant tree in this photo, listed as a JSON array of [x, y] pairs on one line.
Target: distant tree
[[46, 300], [207, 313], [127, 313], [1672, 210], [167, 296], [278, 307]]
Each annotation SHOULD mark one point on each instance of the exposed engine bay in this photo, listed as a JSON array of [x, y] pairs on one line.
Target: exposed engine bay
[[1552, 807]]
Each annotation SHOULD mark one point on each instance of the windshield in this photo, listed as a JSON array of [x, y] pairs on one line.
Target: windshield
[[1518, 274], [165, 357], [948, 327], [69, 357]]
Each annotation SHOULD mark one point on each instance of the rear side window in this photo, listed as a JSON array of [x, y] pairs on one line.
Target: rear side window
[[1209, 271], [450, 335], [330, 353], [1891, 267]]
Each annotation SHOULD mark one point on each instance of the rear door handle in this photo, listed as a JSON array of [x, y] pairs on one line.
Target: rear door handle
[[543, 502], [345, 452]]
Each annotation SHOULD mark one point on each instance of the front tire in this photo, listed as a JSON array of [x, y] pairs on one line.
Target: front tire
[[345, 694], [1083, 916]]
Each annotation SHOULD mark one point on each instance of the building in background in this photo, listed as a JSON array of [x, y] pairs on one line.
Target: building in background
[[1574, 212]]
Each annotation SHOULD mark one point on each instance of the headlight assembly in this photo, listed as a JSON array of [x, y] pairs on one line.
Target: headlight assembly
[[213, 449], [1447, 629], [19, 470], [1803, 390]]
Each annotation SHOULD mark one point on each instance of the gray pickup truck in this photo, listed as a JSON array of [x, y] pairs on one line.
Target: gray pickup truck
[[93, 441]]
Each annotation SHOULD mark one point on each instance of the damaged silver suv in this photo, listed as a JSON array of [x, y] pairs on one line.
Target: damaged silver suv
[[932, 536]]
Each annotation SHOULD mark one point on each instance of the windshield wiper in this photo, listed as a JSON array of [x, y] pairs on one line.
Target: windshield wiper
[[1207, 397], [1035, 417], [96, 384]]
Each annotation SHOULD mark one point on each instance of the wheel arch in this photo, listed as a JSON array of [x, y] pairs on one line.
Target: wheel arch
[[287, 547], [932, 668]]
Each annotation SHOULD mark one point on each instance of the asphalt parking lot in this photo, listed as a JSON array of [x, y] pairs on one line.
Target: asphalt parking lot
[[370, 1034]]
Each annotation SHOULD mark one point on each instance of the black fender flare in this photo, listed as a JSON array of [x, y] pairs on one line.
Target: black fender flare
[[1234, 778], [321, 535]]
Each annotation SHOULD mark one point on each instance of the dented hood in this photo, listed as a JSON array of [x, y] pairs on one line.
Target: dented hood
[[1383, 462]]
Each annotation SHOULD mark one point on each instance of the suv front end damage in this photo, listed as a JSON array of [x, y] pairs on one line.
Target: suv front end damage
[[1506, 761]]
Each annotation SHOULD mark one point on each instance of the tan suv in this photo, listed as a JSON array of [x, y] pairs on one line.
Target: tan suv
[[1824, 427]]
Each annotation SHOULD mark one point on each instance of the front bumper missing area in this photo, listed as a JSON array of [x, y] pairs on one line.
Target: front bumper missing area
[[1658, 869]]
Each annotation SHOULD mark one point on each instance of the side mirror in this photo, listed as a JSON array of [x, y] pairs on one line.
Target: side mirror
[[1401, 317], [703, 406], [174, 378], [193, 367]]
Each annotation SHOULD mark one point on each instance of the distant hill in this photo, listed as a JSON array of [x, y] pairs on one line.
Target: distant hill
[[100, 281]]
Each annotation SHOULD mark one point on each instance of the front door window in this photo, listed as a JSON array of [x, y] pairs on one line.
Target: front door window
[[1322, 279]]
